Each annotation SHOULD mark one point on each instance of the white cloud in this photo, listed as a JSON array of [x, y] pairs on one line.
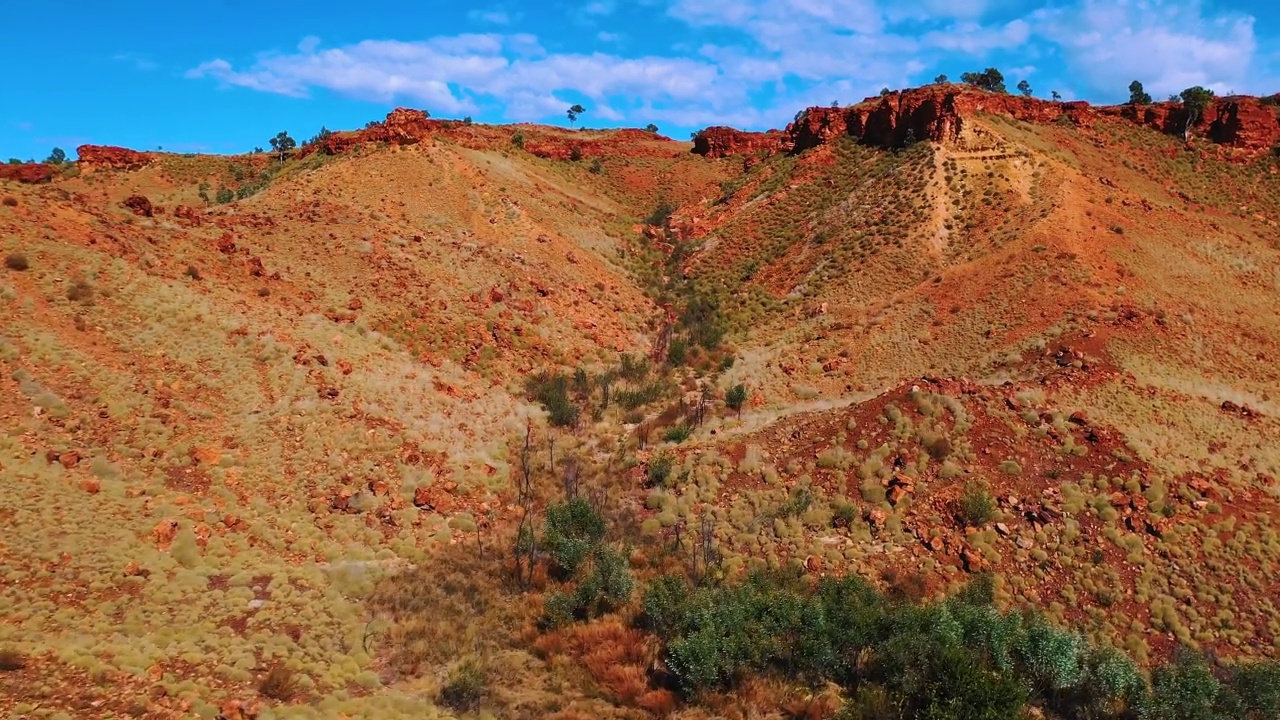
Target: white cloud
[[1167, 45], [753, 63], [974, 39], [496, 16]]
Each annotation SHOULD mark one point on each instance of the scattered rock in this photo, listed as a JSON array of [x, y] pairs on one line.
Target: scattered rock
[[140, 205], [91, 485], [240, 710], [164, 532], [877, 518], [972, 559]]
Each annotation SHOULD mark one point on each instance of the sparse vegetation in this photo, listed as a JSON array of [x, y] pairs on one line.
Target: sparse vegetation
[[991, 80], [1138, 95], [465, 690], [16, 261], [977, 507], [278, 684]]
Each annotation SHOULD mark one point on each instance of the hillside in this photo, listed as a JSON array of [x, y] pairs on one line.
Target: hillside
[[294, 434]]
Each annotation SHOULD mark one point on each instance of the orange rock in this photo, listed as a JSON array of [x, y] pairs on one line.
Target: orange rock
[[91, 485], [69, 459], [206, 455], [164, 532], [240, 710]]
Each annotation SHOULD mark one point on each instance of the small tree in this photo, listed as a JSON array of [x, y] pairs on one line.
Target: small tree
[[1138, 95], [282, 144], [941, 80], [1194, 100], [885, 91], [991, 80], [225, 195], [204, 193], [1055, 95], [735, 398], [651, 128], [57, 157], [320, 136], [1024, 87], [573, 113]]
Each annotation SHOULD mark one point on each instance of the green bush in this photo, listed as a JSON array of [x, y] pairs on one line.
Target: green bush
[[736, 397], [466, 687], [677, 433], [659, 469], [573, 529], [551, 390], [1184, 689], [677, 352], [977, 506]]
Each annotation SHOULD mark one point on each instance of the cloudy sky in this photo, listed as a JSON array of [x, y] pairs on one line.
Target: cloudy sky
[[224, 75]]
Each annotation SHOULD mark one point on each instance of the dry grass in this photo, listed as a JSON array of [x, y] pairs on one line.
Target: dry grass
[[278, 684]]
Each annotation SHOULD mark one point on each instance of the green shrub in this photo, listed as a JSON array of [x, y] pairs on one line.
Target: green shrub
[[677, 352], [573, 529], [659, 469], [977, 507], [1256, 688], [1184, 689], [551, 390], [736, 397], [466, 687], [677, 433], [660, 214]]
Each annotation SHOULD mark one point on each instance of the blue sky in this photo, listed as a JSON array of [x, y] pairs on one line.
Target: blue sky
[[224, 75]]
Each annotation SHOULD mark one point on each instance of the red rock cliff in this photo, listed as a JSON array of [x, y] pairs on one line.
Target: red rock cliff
[[94, 157], [28, 172], [1240, 122], [717, 142], [934, 112], [940, 113]]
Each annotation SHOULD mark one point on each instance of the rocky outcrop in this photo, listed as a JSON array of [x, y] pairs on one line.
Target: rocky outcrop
[[1241, 122], [937, 113], [402, 126], [140, 205], [30, 173], [719, 141], [107, 157], [945, 113], [405, 126]]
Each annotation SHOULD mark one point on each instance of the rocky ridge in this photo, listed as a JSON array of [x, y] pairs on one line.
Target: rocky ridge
[[941, 113]]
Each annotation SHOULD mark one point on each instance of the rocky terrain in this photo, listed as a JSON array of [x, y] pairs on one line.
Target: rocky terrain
[[274, 425]]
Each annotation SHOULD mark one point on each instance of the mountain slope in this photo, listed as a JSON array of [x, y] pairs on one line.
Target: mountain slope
[[227, 423]]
